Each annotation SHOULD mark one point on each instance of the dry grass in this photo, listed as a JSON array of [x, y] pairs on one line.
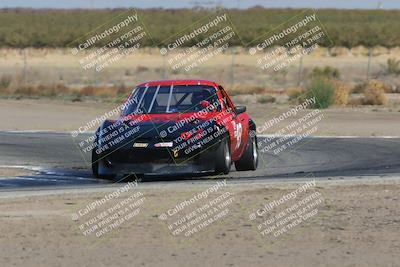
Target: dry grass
[[40, 90], [14, 87], [342, 94], [393, 66], [374, 94], [360, 88], [53, 66], [5, 80], [100, 91], [340, 51], [294, 92], [355, 102], [266, 99], [246, 90]]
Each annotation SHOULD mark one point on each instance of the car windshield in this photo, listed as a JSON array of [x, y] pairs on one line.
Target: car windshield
[[172, 99]]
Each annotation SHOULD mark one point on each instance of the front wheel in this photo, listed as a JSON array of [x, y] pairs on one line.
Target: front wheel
[[223, 159], [98, 169], [249, 159]]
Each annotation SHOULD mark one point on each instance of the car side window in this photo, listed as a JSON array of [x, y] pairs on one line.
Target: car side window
[[224, 101], [227, 104]]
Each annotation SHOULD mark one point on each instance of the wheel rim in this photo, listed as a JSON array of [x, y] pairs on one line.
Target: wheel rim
[[255, 152], [227, 156]]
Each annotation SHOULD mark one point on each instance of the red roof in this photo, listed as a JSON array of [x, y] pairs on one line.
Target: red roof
[[179, 82]]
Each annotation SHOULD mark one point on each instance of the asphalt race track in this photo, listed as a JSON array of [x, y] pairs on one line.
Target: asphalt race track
[[60, 163]]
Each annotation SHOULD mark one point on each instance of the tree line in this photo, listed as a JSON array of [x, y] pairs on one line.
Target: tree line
[[61, 28]]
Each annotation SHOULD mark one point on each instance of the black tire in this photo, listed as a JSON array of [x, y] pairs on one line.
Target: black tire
[[96, 165], [249, 159], [223, 160]]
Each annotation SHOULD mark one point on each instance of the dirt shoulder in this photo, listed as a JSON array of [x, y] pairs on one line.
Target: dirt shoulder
[[12, 172], [57, 115], [356, 225]]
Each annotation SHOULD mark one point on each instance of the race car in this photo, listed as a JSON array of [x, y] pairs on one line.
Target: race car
[[176, 127]]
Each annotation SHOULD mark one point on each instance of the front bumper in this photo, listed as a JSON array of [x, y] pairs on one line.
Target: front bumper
[[159, 161], [147, 152]]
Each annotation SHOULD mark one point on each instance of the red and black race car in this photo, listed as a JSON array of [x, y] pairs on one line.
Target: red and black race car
[[176, 126]]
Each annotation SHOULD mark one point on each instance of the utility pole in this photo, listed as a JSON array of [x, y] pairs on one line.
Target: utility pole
[[164, 67], [300, 71], [233, 56], [369, 62], [25, 65]]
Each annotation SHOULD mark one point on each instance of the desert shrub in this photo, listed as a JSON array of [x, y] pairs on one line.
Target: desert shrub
[[324, 92], [120, 98], [142, 69], [326, 72], [341, 95], [294, 93], [62, 89], [256, 90], [51, 90], [123, 90], [387, 88], [5, 81], [360, 88], [88, 90], [40, 90], [105, 92], [374, 94], [76, 97], [26, 90], [393, 66], [355, 102], [245, 90], [44, 90], [121, 93], [266, 99], [15, 83], [396, 89], [92, 91]]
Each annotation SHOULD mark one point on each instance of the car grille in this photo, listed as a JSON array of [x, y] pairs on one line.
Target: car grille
[[141, 155]]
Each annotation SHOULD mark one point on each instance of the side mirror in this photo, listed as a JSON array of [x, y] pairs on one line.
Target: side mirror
[[240, 109]]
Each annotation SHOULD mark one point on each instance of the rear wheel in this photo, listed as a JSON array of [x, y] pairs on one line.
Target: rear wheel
[[99, 170], [223, 160], [249, 159]]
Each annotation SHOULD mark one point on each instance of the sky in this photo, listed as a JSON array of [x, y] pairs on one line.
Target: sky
[[364, 4]]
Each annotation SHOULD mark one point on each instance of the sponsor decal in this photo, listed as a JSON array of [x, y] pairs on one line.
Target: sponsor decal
[[140, 145], [164, 144]]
